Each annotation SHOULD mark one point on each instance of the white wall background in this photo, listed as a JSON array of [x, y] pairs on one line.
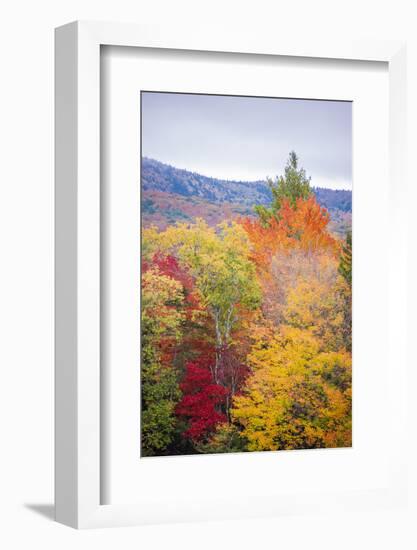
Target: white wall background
[[26, 269]]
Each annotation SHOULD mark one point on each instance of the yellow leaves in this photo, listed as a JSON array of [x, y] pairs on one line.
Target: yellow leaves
[[159, 288], [297, 396], [202, 248], [218, 259], [298, 392], [316, 304], [161, 296], [288, 351], [149, 242]]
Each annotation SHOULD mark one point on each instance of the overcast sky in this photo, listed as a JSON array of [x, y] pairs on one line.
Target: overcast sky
[[247, 138]]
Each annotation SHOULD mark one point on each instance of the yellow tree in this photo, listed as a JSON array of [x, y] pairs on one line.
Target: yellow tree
[[225, 276], [318, 301], [297, 396]]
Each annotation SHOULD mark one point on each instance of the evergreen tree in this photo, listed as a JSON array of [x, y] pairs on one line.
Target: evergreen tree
[[293, 185], [345, 265]]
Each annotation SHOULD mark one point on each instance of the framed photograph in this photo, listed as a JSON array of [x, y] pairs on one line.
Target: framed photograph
[[229, 325]]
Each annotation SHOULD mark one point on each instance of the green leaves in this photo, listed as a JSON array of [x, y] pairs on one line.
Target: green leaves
[[160, 393], [292, 186], [162, 315], [345, 266]]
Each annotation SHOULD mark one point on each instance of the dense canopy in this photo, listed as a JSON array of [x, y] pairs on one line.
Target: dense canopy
[[246, 329]]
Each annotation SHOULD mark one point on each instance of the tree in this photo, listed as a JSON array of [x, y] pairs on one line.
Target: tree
[[345, 265], [202, 400], [302, 227], [246, 331], [298, 397], [292, 186], [226, 439], [163, 313], [160, 393], [218, 259], [318, 303]]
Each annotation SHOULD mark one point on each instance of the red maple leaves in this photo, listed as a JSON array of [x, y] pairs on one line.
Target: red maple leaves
[[203, 401]]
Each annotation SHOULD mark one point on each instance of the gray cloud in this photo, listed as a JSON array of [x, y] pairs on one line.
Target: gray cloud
[[249, 138]]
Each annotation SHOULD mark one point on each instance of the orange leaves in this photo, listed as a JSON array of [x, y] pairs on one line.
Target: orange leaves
[[302, 227], [252, 321], [299, 392], [294, 247]]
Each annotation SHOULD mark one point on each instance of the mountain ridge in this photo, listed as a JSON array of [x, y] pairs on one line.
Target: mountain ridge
[[159, 176]]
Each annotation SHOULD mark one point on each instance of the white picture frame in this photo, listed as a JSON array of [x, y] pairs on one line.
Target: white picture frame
[[77, 422]]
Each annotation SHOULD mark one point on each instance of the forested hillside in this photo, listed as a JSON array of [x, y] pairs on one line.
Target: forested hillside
[[162, 177], [340, 199], [171, 194], [246, 327]]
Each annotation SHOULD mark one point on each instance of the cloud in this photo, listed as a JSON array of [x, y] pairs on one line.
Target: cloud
[[249, 138]]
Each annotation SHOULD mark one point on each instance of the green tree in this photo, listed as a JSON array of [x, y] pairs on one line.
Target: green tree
[[160, 393], [345, 265], [161, 319], [226, 439], [294, 184]]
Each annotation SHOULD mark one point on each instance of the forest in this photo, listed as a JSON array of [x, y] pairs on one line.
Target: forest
[[246, 329], [173, 195]]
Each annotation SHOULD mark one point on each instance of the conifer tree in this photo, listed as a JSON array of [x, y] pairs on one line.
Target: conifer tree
[[345, 266], [294, 184]]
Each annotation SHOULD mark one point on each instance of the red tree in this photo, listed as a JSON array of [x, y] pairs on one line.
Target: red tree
[[168, 265], [203, 401]]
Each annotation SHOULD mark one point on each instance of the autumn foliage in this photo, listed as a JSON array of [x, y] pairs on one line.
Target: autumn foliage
[[246, 331], [302, 227], [202, 400]]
